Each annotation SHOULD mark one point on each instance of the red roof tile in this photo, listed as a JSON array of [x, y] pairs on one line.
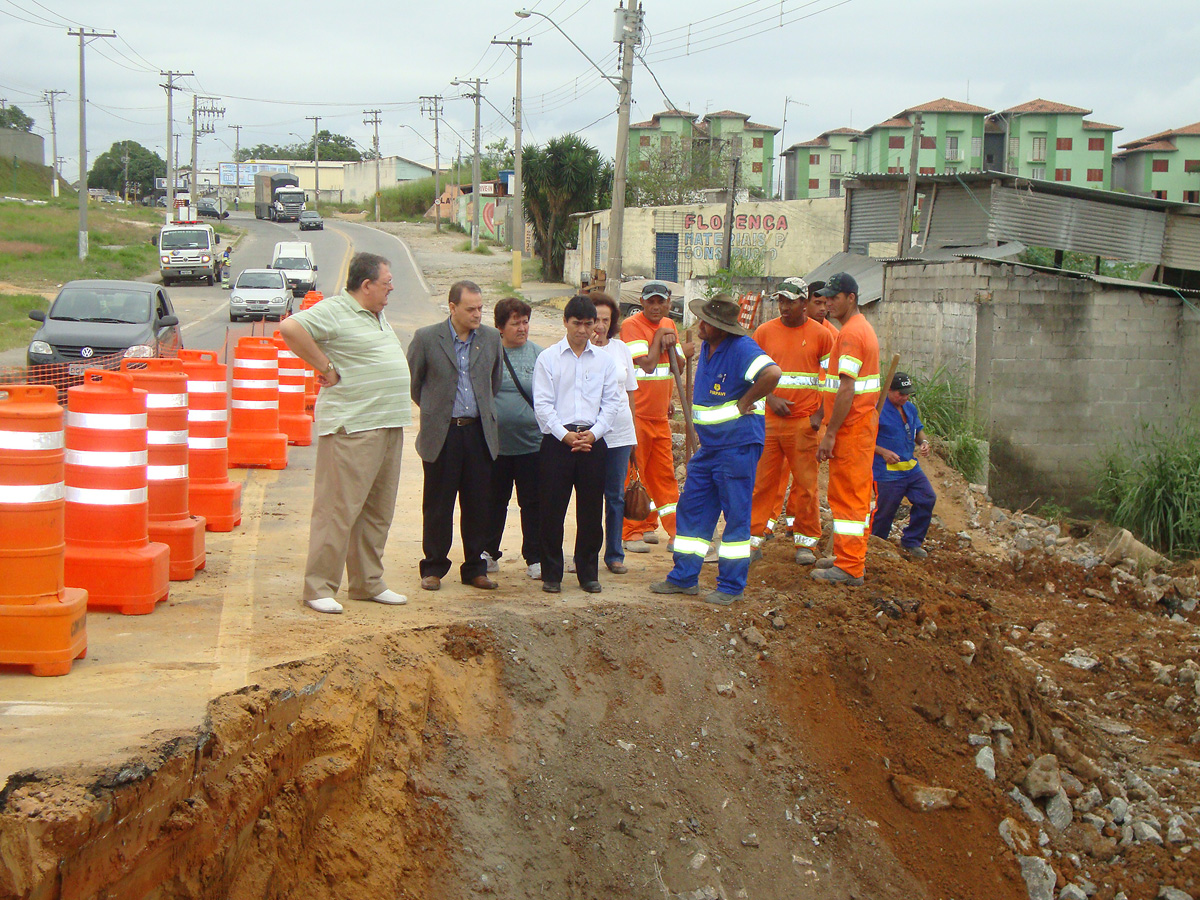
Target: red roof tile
[[675, 112], [1048, 106], [843, 131], [945, 105], [898, 122], [755, 126], [726, 114], [815, 142], [1194, 128], [1100, 126], [1153, 147]]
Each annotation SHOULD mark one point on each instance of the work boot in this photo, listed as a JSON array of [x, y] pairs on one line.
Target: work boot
[[650, 537], [825, 562], [755, 554], [670, 587], [636, 546], [720, 598], [915, 552], [834, 575], [805, 556]]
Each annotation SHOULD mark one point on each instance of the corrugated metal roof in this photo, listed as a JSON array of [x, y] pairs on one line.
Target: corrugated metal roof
[[866, 270]]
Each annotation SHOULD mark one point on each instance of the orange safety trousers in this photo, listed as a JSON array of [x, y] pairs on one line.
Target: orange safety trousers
[[656, 461], [791, 447], [850, 483]]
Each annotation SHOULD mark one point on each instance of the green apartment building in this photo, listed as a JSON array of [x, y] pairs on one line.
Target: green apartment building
[[816, 168], [1165, 165], [951, 140], [680, 137], [1051, 141]]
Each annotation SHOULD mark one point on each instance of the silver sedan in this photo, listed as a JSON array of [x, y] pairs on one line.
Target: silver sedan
[[259, 294]]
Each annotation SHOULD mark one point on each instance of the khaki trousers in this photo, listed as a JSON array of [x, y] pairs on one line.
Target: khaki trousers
[[354, 498]]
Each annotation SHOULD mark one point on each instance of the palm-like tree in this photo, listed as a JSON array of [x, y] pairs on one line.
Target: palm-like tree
[[564, 177]]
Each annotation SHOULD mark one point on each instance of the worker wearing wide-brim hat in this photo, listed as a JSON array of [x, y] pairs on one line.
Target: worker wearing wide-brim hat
[[733, 375]]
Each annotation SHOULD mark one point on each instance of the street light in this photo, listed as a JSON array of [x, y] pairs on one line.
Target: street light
[[631, 34]]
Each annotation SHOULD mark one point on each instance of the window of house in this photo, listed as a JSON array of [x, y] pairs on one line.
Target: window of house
[[1191, 196], [976, 147], [644, 140], [757, 143], [896, 142], [1191, 166], [814, 184], [1159, 195], [1038, 148], [814, 159], [1063, 143], [926, 170], [835, 187], [1095, 143], [1159, 165], [756, 167], [853, 162], [1062, 174], [1095, 175], [835, 163], [928, 143], [1038, 173], [952, 152], [665, 143], [895, 170]]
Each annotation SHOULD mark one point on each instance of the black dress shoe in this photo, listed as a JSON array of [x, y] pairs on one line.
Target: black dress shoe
[[551, 587], [590, 587]]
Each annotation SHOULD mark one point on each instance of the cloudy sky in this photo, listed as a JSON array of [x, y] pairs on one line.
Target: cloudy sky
[[839, 62]]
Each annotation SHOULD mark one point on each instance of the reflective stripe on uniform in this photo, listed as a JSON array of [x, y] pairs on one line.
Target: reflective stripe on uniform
[[31, 440], [667, 509], [849, 527], [166, 401], [803, 540], [638, 348], [96, 497], [798, 380], [693, 546], [661, 373], [31, 493], [903, 466], [202, 443], [756, 542], [848, 365], [725, 412], [734, 550], [106, 421], [759, 363], [106, 459], [868, 385]]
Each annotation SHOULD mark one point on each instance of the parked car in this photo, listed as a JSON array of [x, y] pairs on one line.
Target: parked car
[[110, 198], [96, 324], [212, 208], [259, 294], [630, 300], [310, 219]]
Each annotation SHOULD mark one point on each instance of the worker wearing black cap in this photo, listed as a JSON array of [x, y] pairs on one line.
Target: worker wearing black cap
[[900, 440]]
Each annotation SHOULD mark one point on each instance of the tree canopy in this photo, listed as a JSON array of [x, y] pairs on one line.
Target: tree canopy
[[564, 177], [332, 147], [13, 117], [108, 171]]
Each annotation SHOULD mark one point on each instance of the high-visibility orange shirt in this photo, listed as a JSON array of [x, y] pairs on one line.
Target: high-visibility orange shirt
[[855, 353], [653, 396], [800, 353], [830, 327]]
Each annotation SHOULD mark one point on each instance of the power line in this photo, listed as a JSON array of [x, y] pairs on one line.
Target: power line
[[726, 42]]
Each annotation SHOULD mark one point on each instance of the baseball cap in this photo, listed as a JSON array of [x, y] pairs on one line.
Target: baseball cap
[[792, 288], [903, 383], [839, 283], [655, 289], [815, 288]]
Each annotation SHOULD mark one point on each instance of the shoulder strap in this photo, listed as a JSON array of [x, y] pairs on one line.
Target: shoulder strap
[[516, 380]]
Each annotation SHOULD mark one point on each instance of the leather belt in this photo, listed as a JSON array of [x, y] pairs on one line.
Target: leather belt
[[462, 421], [578, 429]]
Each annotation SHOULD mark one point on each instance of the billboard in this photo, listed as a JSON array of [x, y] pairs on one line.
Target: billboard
[[229, 172]]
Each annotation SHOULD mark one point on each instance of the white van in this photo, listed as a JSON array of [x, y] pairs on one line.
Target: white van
[[188, 250], [295, 259]]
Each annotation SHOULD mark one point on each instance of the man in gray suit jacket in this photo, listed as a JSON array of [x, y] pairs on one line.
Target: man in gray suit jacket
[[454, 369]]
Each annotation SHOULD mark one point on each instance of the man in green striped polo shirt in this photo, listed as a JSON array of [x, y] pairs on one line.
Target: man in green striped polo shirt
[[361, 412]]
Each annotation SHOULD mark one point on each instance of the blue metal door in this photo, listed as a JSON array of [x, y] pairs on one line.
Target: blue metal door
[[666, 256]]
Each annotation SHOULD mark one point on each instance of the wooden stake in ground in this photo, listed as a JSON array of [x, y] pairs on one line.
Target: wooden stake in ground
[[689, 442], [685, 400]]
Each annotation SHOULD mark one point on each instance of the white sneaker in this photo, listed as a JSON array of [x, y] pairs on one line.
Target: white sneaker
[[492, 565], [534, 571], [390, 598], [324, 605]]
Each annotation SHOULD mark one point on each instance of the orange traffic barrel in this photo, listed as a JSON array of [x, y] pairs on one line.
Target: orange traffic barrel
[[312, 298], [171, 523], [293, 419], [210, 492], [42, 623], [254, 435], [311, 387], [109, 553]]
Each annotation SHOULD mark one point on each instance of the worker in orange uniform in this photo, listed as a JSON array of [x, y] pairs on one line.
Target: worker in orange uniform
[[800, 346], [851, 423], [651, 337]]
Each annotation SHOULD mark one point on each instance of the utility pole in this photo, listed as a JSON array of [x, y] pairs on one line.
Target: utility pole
[[316, 120], [197, 130], [374, 120], [726, 257], [475, 198], [631, 35], [83, 35], [518, 235], [50, 95], [172, 150], [125, 177], [237, 161], [910, 193], [432, 106]]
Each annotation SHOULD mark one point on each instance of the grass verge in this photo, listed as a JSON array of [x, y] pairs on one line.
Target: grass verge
[[16, 328], [482, 249], [948, 414]]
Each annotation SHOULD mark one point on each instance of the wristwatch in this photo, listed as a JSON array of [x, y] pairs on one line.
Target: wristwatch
[[329, 367]]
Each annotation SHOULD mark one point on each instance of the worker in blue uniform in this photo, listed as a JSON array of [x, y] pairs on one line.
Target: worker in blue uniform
[[733, 375], [897, 474]]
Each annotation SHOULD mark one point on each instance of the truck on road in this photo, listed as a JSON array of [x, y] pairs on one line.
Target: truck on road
[[277, 196]]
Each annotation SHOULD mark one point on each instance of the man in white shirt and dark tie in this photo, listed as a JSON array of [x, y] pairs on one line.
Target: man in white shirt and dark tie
[[576, 395]]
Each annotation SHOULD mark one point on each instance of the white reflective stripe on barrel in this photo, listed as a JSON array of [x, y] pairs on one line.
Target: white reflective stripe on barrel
[[208, 415], [106, 421], [256, 404], [206, 387], [31, 440], [291, 388], [239, 363], [255, 384], [166, 401], [97, 497], [31, 493], [160, 438], [106, 459], [166, 473], [287, 354], [204, 443]]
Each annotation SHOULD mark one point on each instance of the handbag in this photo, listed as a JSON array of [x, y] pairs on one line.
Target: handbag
[[516, 380], [637, 498]]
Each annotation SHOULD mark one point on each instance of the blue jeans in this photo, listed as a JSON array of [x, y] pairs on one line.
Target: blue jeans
[[888, 494], [616, 468]]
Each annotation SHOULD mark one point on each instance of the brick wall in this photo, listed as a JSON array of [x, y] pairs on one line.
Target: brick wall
[[1061, 368]]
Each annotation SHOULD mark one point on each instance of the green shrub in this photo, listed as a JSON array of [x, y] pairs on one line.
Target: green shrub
[[947, 411], [1153, 487]]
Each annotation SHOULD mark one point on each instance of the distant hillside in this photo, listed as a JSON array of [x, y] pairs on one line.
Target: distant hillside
[[31, 180]]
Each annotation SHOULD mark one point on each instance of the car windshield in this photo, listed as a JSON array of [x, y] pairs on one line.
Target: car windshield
[[185, 239], [309, 215], [285, 262], [290, 196], [260, 280], [102, 305]]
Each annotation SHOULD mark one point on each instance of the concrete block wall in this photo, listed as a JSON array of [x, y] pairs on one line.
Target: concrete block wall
[[23, 145]]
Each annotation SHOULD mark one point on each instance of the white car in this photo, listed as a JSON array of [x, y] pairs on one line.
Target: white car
[[259, 294]]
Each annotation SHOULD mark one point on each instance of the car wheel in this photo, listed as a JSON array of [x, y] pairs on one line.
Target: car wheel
[[232, 317], [211, 281]]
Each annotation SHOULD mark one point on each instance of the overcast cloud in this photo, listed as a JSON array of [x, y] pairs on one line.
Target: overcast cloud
[[843, 62]]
